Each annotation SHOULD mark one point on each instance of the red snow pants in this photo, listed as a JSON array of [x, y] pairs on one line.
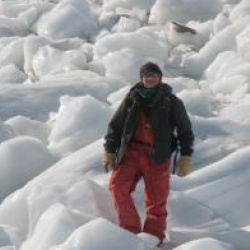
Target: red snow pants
[[136, 164]]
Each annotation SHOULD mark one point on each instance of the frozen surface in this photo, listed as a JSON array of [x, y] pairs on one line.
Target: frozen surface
[[65, 66]]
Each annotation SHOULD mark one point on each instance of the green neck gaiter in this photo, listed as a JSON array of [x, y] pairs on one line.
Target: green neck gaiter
[[146, 93]]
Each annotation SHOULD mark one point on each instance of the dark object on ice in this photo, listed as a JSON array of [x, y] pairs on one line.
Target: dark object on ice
[[183, 29]]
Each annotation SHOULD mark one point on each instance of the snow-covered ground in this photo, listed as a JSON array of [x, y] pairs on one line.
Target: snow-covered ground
[[65, 65]]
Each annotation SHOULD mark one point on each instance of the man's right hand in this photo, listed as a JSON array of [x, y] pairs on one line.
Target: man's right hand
[[108, 159]]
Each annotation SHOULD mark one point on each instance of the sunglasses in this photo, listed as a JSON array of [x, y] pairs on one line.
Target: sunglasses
[[151, 74]]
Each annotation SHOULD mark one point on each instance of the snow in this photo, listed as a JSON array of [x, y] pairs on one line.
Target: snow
[[65, 66]]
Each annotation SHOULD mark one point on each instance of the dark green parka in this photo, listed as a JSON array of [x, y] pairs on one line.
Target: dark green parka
[[167, 115]]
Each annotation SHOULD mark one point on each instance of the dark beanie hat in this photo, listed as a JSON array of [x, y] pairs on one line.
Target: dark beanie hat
[[150, 67]]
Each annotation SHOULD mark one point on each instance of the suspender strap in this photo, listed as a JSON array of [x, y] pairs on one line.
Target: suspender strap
[[175, 160]]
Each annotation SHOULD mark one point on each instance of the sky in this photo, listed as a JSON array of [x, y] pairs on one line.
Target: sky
[[65, 66]]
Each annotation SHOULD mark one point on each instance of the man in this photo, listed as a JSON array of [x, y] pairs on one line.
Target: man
[[139, 144]]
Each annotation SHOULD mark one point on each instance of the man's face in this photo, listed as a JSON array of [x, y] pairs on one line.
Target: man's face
[[150, 80]]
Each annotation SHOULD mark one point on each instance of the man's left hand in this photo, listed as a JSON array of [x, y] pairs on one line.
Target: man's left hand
[[183, 164]]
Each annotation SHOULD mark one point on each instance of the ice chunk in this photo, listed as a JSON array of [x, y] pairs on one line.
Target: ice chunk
[[16, 170], [226, 65], [243, 41], [115, 42], [29, 17], [185, 210], [88, 197], [183, 11], [31, 46], [99, 234], [11, 74], [54, 226], [129, 4], [240, 11], [223, 41], [80, 121], [25, 126], [50, 60], [129, 69], [13, 54], [220, 23], [197, 101], [126, 25], [6, 132], [205, 243], [12, 27], [70, 18]]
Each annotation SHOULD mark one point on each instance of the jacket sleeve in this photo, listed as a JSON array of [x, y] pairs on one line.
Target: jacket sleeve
[[182, 124], [115, 128]]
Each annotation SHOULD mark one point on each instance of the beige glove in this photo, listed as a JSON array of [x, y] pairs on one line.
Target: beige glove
[[183, 164], [108, 159]]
